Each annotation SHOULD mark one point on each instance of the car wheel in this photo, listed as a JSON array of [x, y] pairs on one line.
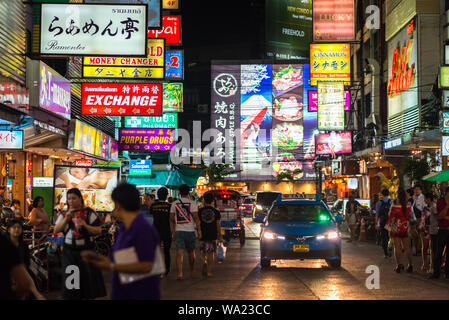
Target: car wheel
[[334, 263], [265, 263], [242, 237]]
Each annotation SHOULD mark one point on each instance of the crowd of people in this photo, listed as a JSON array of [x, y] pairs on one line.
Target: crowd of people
[[140, 255], [415, 224]]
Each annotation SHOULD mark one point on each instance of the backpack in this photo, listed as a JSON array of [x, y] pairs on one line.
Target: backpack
[[384, 211], [186, 207]]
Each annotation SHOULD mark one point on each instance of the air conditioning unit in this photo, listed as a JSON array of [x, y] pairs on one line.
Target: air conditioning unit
[[203, 108]]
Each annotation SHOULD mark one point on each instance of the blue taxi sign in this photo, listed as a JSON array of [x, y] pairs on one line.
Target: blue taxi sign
[[298, 196]]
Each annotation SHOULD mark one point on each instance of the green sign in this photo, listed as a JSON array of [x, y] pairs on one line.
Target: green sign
[[139, 167], [172, 97], [444, 77], [288, 28], [168, 121]]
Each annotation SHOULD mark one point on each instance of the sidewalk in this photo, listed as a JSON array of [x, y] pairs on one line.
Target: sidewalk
[[252, 229]]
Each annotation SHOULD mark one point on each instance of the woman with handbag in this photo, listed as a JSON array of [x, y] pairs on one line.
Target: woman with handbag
[[398, 225]]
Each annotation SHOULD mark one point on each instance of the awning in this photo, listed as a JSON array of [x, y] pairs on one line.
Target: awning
[[170, 179], [437, 176]]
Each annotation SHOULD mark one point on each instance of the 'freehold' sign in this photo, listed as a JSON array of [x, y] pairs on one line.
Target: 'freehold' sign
[[81, 29], [122, 99]]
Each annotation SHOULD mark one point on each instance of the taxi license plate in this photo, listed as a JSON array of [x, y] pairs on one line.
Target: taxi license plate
[[301, 248], [223, 232]]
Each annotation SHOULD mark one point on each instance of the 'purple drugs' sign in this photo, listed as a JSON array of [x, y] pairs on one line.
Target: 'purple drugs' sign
[[54, 93], [146, 139]]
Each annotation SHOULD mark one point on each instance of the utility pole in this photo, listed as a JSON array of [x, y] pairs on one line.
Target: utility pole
[[361, 71]]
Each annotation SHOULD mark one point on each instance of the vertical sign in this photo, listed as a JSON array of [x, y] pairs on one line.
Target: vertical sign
[[331, 113], [330, 62], [174, 68], [225, 114]]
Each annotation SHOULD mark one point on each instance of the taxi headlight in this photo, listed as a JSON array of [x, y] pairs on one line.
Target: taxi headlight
[[330, 235], [272, 236], [258, 207]]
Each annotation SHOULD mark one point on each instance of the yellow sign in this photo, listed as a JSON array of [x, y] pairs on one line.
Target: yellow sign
[[330, 62], [170, 4], [151, 67], [123, 72], [85, 138]]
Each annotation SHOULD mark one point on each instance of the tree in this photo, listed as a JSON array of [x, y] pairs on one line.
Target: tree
[[416, 168], [218, 172], [288, 175]]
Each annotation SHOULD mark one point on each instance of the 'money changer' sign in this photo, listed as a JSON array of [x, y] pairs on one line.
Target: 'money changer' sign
[[89, 29]]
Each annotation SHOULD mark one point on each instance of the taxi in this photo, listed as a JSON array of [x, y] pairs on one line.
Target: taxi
[[301, 227]]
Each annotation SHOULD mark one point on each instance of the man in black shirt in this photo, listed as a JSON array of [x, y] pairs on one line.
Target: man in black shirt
[[160, 210], [12, 270], [211, 231]]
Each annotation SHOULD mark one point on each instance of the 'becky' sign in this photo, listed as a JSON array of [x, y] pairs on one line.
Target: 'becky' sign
[[122, 99]]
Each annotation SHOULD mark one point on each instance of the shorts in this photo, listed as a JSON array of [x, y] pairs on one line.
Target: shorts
[[185, 240], [208, 246]]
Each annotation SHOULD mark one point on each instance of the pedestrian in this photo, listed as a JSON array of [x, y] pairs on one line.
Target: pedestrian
[[418, 207], [210, 231], [15, 206], [160, 211], [137, 243], [432, 227], [374, 202], [352, 216], [15, 235], [382, 214], [38, 216], [79, 224], [443, 237], [12, 270], [183, 220], [398, 223]]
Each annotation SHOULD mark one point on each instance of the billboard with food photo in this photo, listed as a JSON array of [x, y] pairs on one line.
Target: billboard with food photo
[[333, 143], [95, 183]]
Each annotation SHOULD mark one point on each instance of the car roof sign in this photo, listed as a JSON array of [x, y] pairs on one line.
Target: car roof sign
[[299, 196]]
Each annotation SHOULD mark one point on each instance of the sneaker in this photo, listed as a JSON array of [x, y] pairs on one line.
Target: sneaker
[[430, 271]]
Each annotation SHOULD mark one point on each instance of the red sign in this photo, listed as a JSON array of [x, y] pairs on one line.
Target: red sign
[[171, 30], [84, 163], [333, 20], [402, 74], [122, 99], [15, 96]]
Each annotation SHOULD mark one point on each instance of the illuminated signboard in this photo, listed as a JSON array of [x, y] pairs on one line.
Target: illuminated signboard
[[121, 99], [331, 113], [393, 143], [13, 95], [288, 28], [154, 9], [333, 143], [171, 30], [174, 65], [146, 139], [330, 62], [151, 67], [445, 145], [43, 182], [11, 139], [445, 121], [172, 97], [97, 30], [139, 167], [333, 20], [313, 100], [83, 163], [402, 85], [170, 4], [444, 77], [168, 120]]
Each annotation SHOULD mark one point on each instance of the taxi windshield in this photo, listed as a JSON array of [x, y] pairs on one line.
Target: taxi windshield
[[299, 213]]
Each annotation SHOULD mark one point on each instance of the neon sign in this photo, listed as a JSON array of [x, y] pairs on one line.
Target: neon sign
[[402, 75]]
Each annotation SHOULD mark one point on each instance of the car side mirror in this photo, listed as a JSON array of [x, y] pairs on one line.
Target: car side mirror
[[259, 219], [339, 218]]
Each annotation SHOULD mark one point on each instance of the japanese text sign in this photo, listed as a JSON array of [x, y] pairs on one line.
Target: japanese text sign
[[122, 99], [151, 67], [313, 100], [171, 30], [91, 29], [330, 62], [14, 96], [174, 68], [54, 91], [168, 120], [333, 143], [331, 113], [333, 20], [146, 139], [11, 139]]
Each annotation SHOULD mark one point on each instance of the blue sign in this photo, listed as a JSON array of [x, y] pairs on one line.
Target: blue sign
[[393, 143], [139, 167], [174, 68]]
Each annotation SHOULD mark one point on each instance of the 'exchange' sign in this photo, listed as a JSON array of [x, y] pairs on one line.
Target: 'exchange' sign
[[81, 29]]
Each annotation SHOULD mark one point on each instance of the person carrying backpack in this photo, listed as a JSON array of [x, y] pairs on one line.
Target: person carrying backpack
[[183, 220], [382, 214]]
